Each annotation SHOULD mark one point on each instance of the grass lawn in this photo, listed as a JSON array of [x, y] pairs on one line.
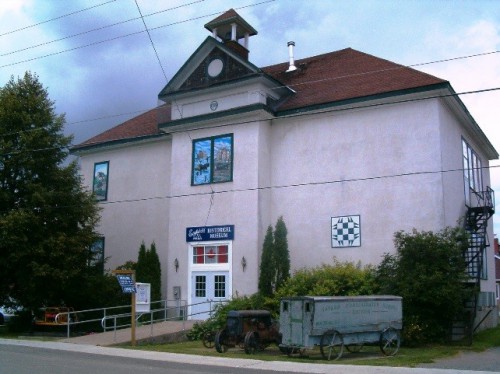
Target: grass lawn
[[369, 355]]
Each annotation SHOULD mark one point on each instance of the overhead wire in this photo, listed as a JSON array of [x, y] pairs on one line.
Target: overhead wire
[[56, 18], [151, 40], [292, 115], [212, 192], [126, 35], [277, 187], [398, 67], [98, 29]]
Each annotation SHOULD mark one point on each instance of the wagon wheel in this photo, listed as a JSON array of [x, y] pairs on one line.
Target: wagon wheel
[[252, 342], [208, 339], [331, 345], [389, 341], [221, 341], [354, 348]]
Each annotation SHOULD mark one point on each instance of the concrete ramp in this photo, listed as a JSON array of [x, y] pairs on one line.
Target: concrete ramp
[[162, 332]]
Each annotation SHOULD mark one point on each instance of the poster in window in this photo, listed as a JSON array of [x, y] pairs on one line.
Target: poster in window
[[223, 156], [202, 151], [100, 185]]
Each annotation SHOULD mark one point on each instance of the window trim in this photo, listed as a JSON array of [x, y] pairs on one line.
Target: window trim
[[101, 197], [92, 261], [212, 140], [472, 169]]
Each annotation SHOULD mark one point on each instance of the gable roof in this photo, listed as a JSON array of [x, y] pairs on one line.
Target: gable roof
[[332, 78], [142, 126], [344, 75]]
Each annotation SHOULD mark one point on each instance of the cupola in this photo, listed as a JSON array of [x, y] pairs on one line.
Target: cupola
[[230, 28]]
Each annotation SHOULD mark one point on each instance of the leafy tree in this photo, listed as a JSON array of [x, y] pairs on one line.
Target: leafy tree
[[337, 279], [281, 254], [267, 268], [47, 221], [428, 271], [148, 269]]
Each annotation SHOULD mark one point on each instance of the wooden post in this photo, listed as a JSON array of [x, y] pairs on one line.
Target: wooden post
[[132, 322], [127, 284]]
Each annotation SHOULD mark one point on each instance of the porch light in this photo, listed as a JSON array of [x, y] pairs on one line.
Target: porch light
[[243, 263], [176, 264]]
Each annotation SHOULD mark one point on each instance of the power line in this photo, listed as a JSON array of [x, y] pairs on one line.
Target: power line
[[97, 29], [126, 35], [333, 110], [56, 18], [277, 187], [293, 115], [151, 40]]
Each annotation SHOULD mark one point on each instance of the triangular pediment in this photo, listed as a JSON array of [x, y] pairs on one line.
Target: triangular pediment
[[212, 64]]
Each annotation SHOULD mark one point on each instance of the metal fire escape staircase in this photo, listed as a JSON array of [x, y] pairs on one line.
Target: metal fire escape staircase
[[479, 210]]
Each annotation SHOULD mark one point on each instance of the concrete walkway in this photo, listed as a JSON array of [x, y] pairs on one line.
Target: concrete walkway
[[161, 332]]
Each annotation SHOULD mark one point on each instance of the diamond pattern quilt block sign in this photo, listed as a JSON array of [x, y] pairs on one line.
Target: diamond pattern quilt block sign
[[346, 231]]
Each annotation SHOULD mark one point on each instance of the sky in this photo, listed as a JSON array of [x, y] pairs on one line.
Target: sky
[[101, 67]]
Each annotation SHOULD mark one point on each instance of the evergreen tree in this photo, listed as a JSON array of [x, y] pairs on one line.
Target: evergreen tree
[[155, 266], [148, 269], [267, 269], [141, 268], [47, 220], [281, 253]]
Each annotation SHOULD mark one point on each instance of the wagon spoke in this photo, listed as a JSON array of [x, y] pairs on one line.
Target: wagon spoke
[[389, 341], [331, 345]]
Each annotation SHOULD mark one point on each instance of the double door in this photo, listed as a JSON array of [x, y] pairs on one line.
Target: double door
[[207, 288]]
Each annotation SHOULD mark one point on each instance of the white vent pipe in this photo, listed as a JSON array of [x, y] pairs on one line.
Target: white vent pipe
[[292, 66]]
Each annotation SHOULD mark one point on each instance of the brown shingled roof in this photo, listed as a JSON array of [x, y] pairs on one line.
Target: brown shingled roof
[[331, 77], [145, 124], [344, 75]]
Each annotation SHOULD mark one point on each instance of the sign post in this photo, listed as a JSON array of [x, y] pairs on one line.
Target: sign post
[[126, 279]]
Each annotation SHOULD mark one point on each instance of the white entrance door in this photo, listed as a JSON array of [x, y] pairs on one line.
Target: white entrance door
[[207, 288]]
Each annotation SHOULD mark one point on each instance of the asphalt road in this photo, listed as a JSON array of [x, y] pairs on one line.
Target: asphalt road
[[487, 361], [20, 357]]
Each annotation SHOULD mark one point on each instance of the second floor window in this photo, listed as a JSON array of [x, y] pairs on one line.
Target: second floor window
[[100, 182], [212, 160]]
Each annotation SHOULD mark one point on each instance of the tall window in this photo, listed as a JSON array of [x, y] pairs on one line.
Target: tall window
[[212, 160], [100, 183], [96, 254], [473, 178]]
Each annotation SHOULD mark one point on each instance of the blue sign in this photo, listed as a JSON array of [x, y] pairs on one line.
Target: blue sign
[[209, 233], [126, 282]]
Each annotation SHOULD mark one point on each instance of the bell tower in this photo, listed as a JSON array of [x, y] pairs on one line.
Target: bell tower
[[233, 31]]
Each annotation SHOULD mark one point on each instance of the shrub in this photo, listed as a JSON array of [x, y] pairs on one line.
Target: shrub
[[428, 271]]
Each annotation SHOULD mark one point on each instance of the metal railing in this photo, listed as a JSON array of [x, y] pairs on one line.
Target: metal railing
[[119, 317]]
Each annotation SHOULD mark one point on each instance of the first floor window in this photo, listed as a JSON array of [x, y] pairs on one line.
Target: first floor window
[[212, 160], [201, 286], [96, 254], [220, 286]]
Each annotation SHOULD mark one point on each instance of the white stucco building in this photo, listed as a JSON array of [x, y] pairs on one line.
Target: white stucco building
[[349, 148]]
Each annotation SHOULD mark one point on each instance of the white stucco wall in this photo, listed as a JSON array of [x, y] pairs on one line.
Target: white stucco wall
[[357, 158], [136, 209], [382, 163]]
